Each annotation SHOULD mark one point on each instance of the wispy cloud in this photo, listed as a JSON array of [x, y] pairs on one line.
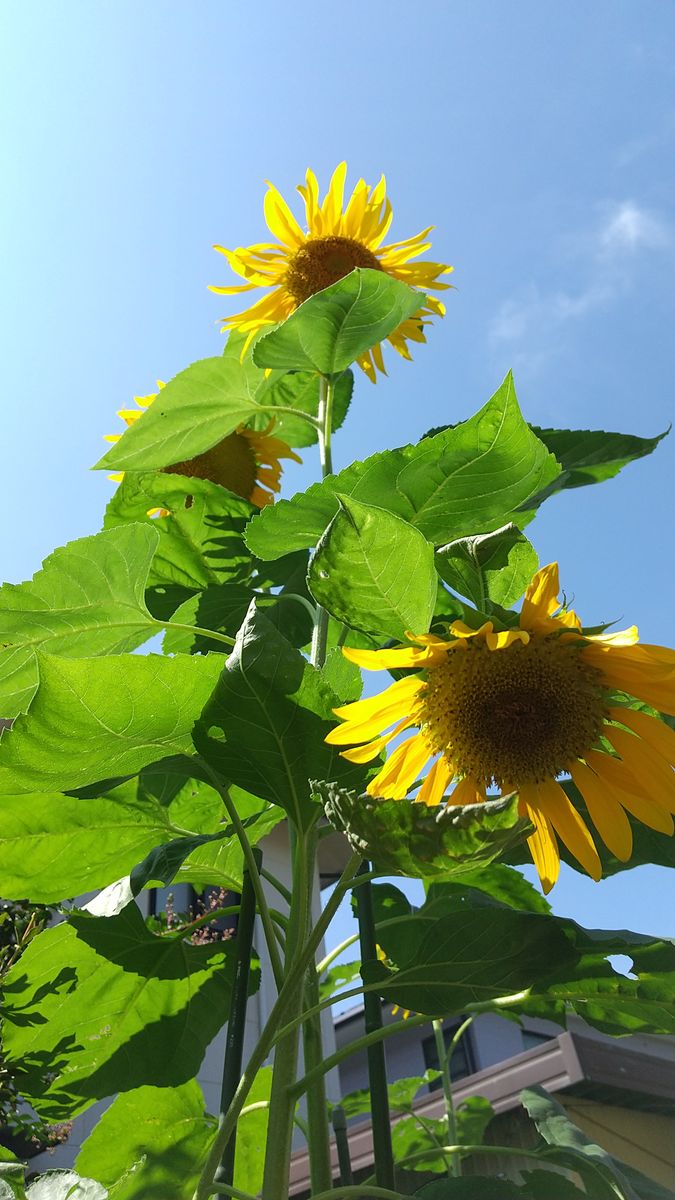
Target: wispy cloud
[[532, 320]]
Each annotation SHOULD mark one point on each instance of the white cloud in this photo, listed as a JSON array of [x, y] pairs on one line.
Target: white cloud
[[630, 227], [532, 320]]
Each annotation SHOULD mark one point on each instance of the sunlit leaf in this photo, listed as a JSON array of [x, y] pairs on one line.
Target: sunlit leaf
[[300, 390], [97, 1006], [374, 571], [489, 568], [574, 1146], [150, 1144], [88, 598], [197, 408], [468, 479], [330, 330], [97, 718], [444, 965], [201, 542], [265, 725], [591, 455]]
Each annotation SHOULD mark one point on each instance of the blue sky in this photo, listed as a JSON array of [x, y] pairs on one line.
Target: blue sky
[[538, 139]]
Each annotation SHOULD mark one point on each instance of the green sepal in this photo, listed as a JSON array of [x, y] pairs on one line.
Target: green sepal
[[330, 330], [404, 837]]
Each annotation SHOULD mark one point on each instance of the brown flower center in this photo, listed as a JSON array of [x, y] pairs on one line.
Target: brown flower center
[[322, 261], [231, 463], [514, 716]]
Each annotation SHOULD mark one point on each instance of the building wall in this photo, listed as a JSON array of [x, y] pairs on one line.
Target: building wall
[[644, 1140]]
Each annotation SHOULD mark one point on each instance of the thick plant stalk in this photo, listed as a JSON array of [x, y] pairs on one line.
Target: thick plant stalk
[[377, 1065], [234, 1045], [320, 1169], [282, 1102]]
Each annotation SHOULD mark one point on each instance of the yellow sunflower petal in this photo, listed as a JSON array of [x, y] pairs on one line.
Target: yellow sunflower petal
[[403, 690], [495, 641], [605, 812], [637, 798], [280, 219], [644, 764], [569, 826], [384, 660], [437, 779], [401, 769], [645, 671], [467, 791], [543, 843], [654, 731]]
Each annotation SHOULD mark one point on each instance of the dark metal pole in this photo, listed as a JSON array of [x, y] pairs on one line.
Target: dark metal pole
[[234, 1045], [342, 1144], [377, 1066]]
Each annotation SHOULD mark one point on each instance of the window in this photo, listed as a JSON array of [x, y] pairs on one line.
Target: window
[[532, 1039], [462, 1061]]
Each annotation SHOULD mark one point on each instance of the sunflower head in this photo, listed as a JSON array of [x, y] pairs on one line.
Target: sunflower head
[[519, 710], [337, 237], [246, 462]]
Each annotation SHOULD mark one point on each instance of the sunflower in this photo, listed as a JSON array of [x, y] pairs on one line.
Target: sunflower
[[518, 709], [246, 462], [338, 239]]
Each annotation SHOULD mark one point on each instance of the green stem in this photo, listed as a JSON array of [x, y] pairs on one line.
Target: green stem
[[236, 1023], [333, 954], [279, 1010], [453, 1163], [291, 412], [347, 1193], [320, 1167], [362, 1043], [207, 633], [277, 885], [249, 859], [282, 1104], [385, 1175], [325, 420]]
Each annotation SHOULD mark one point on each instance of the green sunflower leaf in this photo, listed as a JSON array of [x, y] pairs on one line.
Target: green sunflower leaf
[[591, 455], [538, 1186], [445, 963], [374, 572], [88, 598], [201, 542], [489, 568], [300, 390], [101, 718], [330, 330], [197, 409], [150, 1143], [265, 725], [97, 1006], [563, 1135], [465, 480]]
